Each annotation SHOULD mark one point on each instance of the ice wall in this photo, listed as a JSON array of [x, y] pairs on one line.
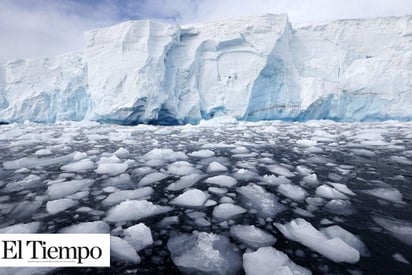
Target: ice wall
[[250, 68], [355, 69], [44, 89]]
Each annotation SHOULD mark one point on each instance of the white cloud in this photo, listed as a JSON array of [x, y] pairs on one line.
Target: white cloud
[[30, 28]]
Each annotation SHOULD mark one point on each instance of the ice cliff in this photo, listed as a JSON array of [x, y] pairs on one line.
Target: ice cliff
[[250, 68]]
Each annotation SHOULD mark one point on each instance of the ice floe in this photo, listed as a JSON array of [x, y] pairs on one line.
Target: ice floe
[[389, 194], [227, 210], [123, 251], [256, 197], [191, 198], [215, 166], [122, 195], [57, 206], [62, 189], [204, 253], [222, 181], [152, 178], [252, 236], [139, 236], [96, 227], [134, 210], [205, 153], [184, 182], [293, 192], [335, 248], [270, 261], [400, 229]]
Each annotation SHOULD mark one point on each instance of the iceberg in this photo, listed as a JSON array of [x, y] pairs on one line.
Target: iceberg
[[247, 68]]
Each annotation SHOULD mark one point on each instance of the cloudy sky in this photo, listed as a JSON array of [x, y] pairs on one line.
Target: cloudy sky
[[30, 28]]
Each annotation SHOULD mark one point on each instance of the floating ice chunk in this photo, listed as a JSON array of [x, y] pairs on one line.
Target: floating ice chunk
[[280, 170], [123, 251], [342, 188], [303, 170], [269, 130], [389, 194], [78, 166], [79, 155], [334, 177], [400, 229], [246, 175], [217, 190], [328, 192], [122, 179], [62, 189], [164, 154], [21, 228], [257, 198], [94, 137], [252, 236], [303, 232], [222, 181], [400, 258], [204, 253], [97, 227], [167, 221], [401, 160], [202, 222], [43, 152], [151, 178], [225, 211], [240, 150], [339, 207], [78, 195], [122, 195], [122, 153], [143, 170], [57, 206], [38, 162], [112, 169], [270, 261], [303, 212], [226, 199], [205, 153], [191, 198], [336, 231], [274, 180], [22, 170], [220, 145], [111, 159], [293, 192], [371, 135], [110, 189], [29, 182], [209, 203], [306, 142], [133, 210], [311, 179], [25, 209], [181, 168], [215, 166], [163, 131], [184, 182], [139, 236]]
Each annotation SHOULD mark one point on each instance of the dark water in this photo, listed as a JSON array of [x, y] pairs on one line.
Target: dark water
[[331, 150]]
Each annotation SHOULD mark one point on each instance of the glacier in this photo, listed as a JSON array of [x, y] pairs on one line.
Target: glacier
[[248, 68]]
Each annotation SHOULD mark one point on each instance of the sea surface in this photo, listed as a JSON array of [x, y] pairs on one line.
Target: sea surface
[[357, 176]]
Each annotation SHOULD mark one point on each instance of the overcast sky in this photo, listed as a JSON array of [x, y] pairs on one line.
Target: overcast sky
[[30, 28]]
